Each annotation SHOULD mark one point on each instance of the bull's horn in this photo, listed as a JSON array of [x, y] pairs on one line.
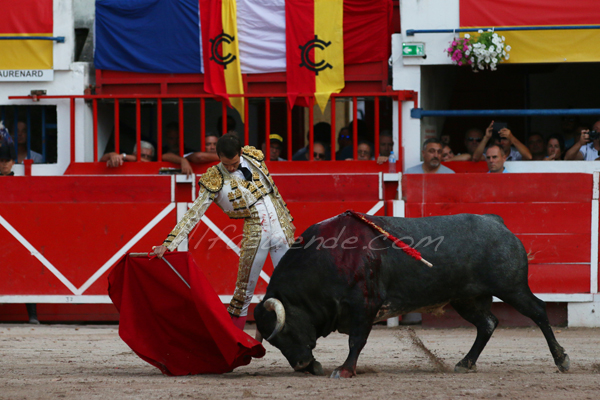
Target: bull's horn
[[275, 305]]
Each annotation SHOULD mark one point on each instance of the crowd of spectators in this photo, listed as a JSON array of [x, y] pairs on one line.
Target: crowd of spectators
[[575, 142]]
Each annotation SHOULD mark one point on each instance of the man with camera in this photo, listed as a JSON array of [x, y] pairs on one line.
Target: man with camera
[[498, 133], [588, 145]]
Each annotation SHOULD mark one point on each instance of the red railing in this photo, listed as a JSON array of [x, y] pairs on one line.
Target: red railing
[[394, 95]]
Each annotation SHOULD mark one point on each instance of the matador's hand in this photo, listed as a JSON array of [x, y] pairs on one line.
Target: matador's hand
[[159, 251]]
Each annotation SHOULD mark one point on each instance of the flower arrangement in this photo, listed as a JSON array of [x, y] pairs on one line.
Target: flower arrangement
[[481, 52]]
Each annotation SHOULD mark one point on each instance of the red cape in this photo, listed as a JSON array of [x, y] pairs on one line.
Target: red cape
[[179, 330]]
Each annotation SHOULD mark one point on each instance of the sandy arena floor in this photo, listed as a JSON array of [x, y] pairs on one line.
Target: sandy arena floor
[[91, 362]]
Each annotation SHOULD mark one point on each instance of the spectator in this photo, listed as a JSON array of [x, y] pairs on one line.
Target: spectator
[[473, 138], [147, 153], [447, 153], [7, 158], [513, 148], [386, 145], [569, 129], [210, 155], [210, 142], [445, 139], [555, 150], [7, 152], [348, 151], [276, 147], [319, 152], [22, 140], [364, 150], [585, 148], [432, 156], [495, 158], [344, 140], [322, 134], [537, 147], [170, 151]]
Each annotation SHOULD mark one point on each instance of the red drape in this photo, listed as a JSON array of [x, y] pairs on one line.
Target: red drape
[[367, 30], [179, 330]]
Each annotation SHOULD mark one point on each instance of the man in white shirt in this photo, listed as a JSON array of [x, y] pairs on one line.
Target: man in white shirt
[[585, 148]]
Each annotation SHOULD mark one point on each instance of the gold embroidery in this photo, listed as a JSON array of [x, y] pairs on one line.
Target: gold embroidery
[[284, 220], [253, 152], [233, 184], [212, 180], [248, 250]]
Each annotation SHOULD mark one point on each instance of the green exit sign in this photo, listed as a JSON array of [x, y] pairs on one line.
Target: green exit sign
[[413, 49]]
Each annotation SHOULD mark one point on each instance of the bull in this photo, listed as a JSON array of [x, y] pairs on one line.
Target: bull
[[343, 275]]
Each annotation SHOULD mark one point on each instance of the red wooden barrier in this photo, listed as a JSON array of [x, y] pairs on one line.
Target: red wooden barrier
[[549, 213]]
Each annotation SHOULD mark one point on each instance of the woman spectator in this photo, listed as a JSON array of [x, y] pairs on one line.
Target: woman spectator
[[555, 149]]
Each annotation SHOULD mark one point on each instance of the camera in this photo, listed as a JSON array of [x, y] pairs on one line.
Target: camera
[[594, 135]]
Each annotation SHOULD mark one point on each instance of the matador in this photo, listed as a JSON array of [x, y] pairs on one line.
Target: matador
[[243, 188]]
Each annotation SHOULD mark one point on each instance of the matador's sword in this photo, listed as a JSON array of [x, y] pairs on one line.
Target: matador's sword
[[137, 255]]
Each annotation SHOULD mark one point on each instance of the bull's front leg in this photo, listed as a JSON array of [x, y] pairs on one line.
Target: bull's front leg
[[357, 340]]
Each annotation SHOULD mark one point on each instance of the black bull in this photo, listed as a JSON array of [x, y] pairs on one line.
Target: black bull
[[343, 275]]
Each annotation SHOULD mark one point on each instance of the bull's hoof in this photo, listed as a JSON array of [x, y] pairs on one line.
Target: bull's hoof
[[315, 368], [465, 367], [565, 364], [340, 373]]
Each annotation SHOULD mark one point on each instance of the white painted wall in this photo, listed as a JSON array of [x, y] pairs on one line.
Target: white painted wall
[[69, 79]]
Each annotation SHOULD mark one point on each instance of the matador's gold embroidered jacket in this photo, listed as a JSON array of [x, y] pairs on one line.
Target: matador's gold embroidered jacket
[[233, 195]]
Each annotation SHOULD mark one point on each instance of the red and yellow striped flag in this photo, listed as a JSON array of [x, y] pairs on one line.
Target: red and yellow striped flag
[[220, 51], [26, 18], [315, 49], [539, 46]]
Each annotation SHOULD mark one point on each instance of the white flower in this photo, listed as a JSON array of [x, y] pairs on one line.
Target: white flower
[[467, 36], [467, 52], [492, 49], [507, 48], [507, 56], [480, 31], [503, 39]]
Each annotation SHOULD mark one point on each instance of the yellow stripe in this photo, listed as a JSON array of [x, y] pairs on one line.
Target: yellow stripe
[[529, 47], [26, 54], [329, 27], [233, 71], [553, 46]]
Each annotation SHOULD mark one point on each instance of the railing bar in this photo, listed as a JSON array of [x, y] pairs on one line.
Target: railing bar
[[333, 128], [72, 129], [95, 122], [58, 39], [311, 129], [159, 130], [138, 130], [29, 132], [16, 132], [400, 155], [199, 96], [203, 124], [355, 128], [376, 106], [44, 140], [289, 133], [224, 127], [268, 128], [420, 113], [246, 125], [117, 126], [181, 127]]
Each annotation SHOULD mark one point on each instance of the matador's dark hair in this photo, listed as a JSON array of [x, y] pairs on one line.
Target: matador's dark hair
[[229, 145]]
